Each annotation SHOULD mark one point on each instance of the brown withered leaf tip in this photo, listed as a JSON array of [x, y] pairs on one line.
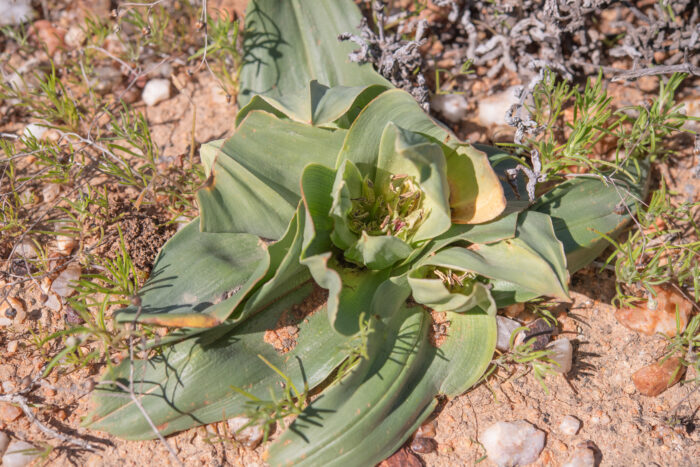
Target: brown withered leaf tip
[[283, 337], [209, 182]]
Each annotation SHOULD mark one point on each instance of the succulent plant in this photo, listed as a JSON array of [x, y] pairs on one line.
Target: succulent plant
[[347, 243]]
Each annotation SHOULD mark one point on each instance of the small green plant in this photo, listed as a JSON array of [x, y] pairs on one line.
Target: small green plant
[[567, 146], [524, 354], [662, 248], [267, 413]]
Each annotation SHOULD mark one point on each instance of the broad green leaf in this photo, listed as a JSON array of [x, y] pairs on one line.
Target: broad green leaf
[[286, 47], [377, 252], [285, 274], [199, 278], [191, 382], [370, 413], [328, 105], [476, 194], [584, 207], [253, 183], [361, 145], [432, 293], [534, 264], [346, 186]]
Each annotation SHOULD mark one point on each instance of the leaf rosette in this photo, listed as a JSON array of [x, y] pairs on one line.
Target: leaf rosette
[[333, 179]]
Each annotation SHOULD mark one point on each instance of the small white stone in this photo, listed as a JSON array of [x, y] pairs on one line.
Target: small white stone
[[569, 425], [581, 457], [65, 244], [50, 192], [5, 321], [26, 249], [563, 354], [35, 130], [74, 37], [505, 327], [13, 12], [156, 90], [4, 442], [492, 109], [19, 453], [509, 444], [62, 284], [452, 106], [249, 436], [12, 347]]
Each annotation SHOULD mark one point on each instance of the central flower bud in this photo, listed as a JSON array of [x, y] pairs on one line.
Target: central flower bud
[[395, 209]]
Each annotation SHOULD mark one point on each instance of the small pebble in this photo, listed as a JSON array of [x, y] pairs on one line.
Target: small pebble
[[19, 454], [512, 443], [654, 379], [65, 244], [569, 425], [401, 458], [250, 436], [582, 456], [423, 445], [563, 354], [26, 249], [9, 412], [155, 91], [657, 316], [14, 308], [5, 321], [75, 36], [50, 36], [539, 332], [62, 284], [35, 130], [15, 12], [72, 317], [426, 430], [12, 347], [4, 442], [492, 109], [53, 302], [50, 192], [505, 327], [453, 107]]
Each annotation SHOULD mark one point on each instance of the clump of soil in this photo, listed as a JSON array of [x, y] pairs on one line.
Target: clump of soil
[[283, 337], [144, 232], [439, 329]]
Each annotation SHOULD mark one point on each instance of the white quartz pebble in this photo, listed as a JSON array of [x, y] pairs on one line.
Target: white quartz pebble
[[453, 107], [62, 284], [156, 90], [569, 425], [19, 453], [509, 444]]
